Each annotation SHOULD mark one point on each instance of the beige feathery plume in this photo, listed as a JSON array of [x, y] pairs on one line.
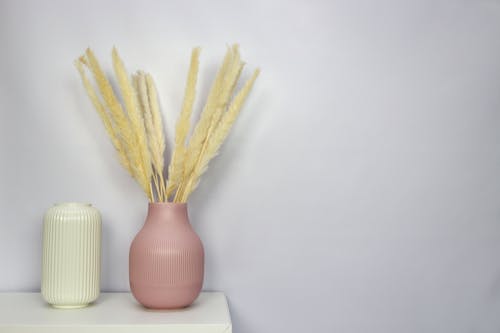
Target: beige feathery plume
[[176, 167], [157, 120], [103, 114], [219, 136], [120, 119], [140, 148], [230, 80], [143, 105], [158, 128], [203, 126], [229, 84], [153, 124]]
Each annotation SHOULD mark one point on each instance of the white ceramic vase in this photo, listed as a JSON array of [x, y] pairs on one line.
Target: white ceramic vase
[[71, 263]]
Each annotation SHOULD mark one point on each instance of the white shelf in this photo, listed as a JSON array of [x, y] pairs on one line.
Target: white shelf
[[112, 313]]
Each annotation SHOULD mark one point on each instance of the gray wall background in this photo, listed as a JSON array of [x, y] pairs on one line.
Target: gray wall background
[[358, 192]]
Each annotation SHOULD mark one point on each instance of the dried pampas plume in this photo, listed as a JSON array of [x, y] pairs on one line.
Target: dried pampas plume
[[135, 125], [176, 167]]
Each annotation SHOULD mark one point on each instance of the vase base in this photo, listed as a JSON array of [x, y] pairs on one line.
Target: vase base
[[79, 306], [165, 298], [166, 307]]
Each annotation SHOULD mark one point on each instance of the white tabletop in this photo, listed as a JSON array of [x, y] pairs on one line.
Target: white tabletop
[[112, 312]]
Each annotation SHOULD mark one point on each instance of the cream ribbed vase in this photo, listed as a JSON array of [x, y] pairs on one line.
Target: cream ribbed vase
[[71, 263]]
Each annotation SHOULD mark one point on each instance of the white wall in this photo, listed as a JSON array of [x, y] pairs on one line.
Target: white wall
[[359, 191]]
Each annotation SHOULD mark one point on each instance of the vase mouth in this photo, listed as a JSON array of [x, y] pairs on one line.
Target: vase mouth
[[73, 204], [168, 204], [167, 212]]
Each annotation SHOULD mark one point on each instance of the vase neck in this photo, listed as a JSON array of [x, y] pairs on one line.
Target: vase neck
[[167, 212]]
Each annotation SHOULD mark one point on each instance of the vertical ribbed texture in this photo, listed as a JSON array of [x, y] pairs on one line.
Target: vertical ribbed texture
[[166, 259], [71, 262], [180, 267]]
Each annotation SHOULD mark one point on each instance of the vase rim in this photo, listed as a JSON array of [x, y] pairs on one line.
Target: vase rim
[[73, 204], [167, 204]]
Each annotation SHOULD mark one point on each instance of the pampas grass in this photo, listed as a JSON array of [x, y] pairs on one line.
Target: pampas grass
[[136, 118], [121, 123], [150, 110], [203, 125], [176, 167], [105, 117], [135, 125], [216, 138]]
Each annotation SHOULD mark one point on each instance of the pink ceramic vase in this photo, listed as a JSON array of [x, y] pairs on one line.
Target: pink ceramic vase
[[166, 259]]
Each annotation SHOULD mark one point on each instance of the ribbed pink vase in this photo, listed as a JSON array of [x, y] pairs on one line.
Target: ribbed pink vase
[[166, 259]]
